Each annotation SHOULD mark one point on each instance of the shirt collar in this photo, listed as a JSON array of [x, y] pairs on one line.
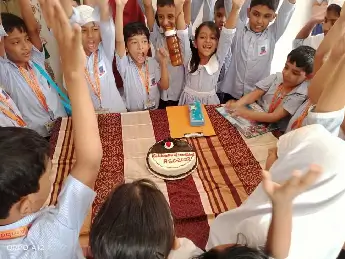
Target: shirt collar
[[211, 67], [247, 28]]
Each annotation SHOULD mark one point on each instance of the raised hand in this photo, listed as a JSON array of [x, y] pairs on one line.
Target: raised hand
[[162, 55], [179, 2], [121, 2], [147, 2], [231, 105], [318, 13], [297, 184], [237, 3]]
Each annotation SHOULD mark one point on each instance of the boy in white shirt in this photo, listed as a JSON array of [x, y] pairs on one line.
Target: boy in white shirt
[[26, 230], [10, 116], [142, 75], [21, 50]]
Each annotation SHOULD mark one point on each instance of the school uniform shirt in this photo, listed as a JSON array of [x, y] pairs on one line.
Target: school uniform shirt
[[202, 84], [208, 10], [306, 115], [176, 74], [8, 105], [291, 102], [33, 112], [329, 2], [111, 99], [252, 53], [311, 41], [136, 94], [53, 231], [186, 250]]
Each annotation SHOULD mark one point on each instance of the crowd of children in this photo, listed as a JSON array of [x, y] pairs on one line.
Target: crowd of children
[[226, 61]]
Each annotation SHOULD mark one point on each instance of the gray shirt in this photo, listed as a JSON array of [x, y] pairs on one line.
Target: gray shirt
[[291, 102], [30, 107], [54, 231], [5, 121], [176, 74], [252, 53]]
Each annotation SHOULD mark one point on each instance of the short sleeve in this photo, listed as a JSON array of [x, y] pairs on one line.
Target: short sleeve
[[186, 250], [38, 57], [122, 64], [73, 203], [266, 83], [292, 102], [330, 120]]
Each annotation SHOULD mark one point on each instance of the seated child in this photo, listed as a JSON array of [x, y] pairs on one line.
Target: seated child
[[279, 233], [27, 230], [253, 46], [280, 94], [10, 116], [203, 66], [318, 209], [135, 221], [98, 31], [142, 75], [303, 38], [21, 50], [326, 101], [166, 17]]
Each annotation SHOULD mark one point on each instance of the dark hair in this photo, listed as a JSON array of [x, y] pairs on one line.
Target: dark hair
[[334, 8], [162, 3], [234, 252], [23, 160], [303, 56], [219, 4], [134, 29], [195, 60], [271, 4], [134, 222], [12, 22]]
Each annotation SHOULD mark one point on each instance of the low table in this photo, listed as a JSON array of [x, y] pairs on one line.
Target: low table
[[229, 167]]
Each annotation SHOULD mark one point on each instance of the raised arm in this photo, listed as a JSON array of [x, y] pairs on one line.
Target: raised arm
[[243, 13], [232, 20], [318, 17], [119, 38], [2, 46], [187, 9], [149, 13], [284, 16], [67, 6], [88, 147], [282, 196]]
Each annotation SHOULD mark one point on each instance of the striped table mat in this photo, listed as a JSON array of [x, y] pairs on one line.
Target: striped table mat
[[229, 167]]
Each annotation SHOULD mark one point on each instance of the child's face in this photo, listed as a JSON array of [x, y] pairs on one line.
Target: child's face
[[18, 47], [293, 75], [138, 47], [219, 17], [74, 4], [91, 37], [206, 42], [260, 17], [166, 16], [330, 19]]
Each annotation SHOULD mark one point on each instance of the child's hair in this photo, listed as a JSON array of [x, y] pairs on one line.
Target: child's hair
[[271, 4], [303, 56], [334, 8], [23, 160], [134, 29], [195, 60], [12, 22], [134, 222], [234, 252], [162, 3], [219, 4]]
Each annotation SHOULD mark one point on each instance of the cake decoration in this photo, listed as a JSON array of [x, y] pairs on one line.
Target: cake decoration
[[171, 159]]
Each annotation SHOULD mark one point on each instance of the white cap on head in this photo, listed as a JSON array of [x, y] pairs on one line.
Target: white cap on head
[[87, 14]]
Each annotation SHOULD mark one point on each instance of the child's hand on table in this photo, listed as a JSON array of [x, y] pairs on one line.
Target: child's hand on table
[[297, 184], [243, 112], [231, 105]]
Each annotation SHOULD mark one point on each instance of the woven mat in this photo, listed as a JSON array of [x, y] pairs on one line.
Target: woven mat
[[229, 167]]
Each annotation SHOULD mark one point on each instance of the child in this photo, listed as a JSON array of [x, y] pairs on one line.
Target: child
[[280, 94], [253, 46], [166, 13], [208, 56], [10, 116], [135, 222], [142, 75], [303, 38], [27, 231], [98, 35], [326, 101], [317, 210], [279, 234], [38, 102]]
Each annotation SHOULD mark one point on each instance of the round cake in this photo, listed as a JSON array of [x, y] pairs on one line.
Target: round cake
[[171, 159]]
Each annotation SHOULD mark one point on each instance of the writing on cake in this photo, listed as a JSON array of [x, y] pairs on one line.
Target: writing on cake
[[173, 160]]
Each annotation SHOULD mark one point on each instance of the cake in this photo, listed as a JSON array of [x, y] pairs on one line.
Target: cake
[[171, 159]]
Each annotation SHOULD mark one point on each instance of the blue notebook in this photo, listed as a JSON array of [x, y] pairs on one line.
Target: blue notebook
[[196, 114]]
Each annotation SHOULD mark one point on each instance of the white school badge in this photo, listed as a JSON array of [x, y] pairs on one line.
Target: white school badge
[[262, 49], [101, 69], [150, 104]]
